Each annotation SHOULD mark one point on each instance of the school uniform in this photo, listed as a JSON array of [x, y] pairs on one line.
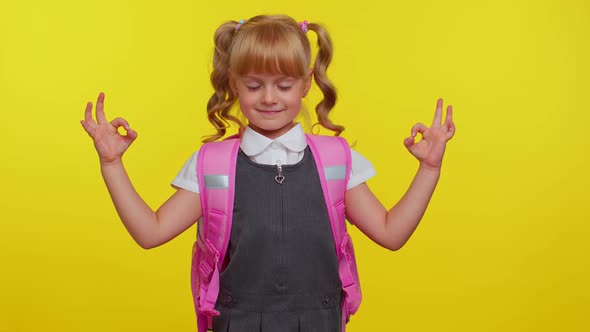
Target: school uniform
[[282, 270]]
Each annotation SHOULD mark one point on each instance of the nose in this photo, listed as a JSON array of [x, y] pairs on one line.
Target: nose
[[269, 96]]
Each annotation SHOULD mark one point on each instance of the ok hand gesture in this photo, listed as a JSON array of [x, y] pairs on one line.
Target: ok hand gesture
[[109, 144], [431, 148]]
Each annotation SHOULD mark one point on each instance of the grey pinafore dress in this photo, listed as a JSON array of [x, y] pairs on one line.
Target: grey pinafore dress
[[282, 273]]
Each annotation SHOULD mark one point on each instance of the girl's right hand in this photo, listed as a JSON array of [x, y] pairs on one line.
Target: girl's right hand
[[109, 144]]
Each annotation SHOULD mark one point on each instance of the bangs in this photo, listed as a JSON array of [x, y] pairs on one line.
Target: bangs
[[270, 49]]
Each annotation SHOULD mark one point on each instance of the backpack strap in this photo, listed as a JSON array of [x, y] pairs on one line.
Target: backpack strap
[[333, 161], [216, 167]]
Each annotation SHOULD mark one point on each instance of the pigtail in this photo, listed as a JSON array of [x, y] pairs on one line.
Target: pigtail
[[323, 59], [223, 99]]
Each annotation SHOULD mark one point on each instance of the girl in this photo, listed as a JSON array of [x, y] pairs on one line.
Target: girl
[[274, 268]]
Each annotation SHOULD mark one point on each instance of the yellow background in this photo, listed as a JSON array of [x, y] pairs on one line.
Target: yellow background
[[503, 246]]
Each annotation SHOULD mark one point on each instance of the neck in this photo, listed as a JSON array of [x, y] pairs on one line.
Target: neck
[[274, 133]]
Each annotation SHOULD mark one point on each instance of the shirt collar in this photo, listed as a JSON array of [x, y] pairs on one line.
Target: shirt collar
[[254, 143]]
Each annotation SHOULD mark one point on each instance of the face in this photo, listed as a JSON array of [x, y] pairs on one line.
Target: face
[[270, 102]]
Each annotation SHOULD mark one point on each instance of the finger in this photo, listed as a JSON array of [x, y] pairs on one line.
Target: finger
[[449, 117], [120, 122], [438, 113], [449, 126], [418, 128], [88, 128], [88, 114], [451, 132], [450, 129], [131, 136], [409, 141], [100, 117]]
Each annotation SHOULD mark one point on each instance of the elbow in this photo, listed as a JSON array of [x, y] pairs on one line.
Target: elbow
[[147, 239], [394, 245], [146, 243], [392, 248], [145, 246]]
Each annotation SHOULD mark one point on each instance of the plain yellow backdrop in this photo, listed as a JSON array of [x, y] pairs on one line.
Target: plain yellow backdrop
[[503, 246]]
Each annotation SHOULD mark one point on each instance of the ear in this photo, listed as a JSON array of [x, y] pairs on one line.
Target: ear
[[232, 83], [307, 83]]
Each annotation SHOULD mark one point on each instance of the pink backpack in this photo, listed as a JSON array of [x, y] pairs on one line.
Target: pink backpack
[[216, 177]]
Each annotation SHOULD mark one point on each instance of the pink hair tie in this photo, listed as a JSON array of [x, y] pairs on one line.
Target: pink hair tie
[[303, 26], [240, 23]]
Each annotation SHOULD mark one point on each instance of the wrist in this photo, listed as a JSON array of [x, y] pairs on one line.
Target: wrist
[[429, 168], [111, 163]]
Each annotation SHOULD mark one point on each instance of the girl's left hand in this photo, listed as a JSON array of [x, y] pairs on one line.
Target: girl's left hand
[[431, 148]]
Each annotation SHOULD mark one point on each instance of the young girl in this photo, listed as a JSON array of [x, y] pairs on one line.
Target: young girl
[[277, 259]]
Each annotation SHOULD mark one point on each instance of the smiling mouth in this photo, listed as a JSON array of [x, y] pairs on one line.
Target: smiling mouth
[[270, 111]]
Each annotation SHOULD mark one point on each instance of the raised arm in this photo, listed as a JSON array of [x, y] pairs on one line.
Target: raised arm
[[147, 227], [392, 228]]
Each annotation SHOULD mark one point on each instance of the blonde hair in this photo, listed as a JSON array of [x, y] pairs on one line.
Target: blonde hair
[[267, 44]]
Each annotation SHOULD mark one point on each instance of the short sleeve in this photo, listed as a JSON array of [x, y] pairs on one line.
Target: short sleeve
[[361, 170], [187, 177]]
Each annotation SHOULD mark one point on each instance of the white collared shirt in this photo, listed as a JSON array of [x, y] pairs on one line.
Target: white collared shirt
[[287, 149]]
